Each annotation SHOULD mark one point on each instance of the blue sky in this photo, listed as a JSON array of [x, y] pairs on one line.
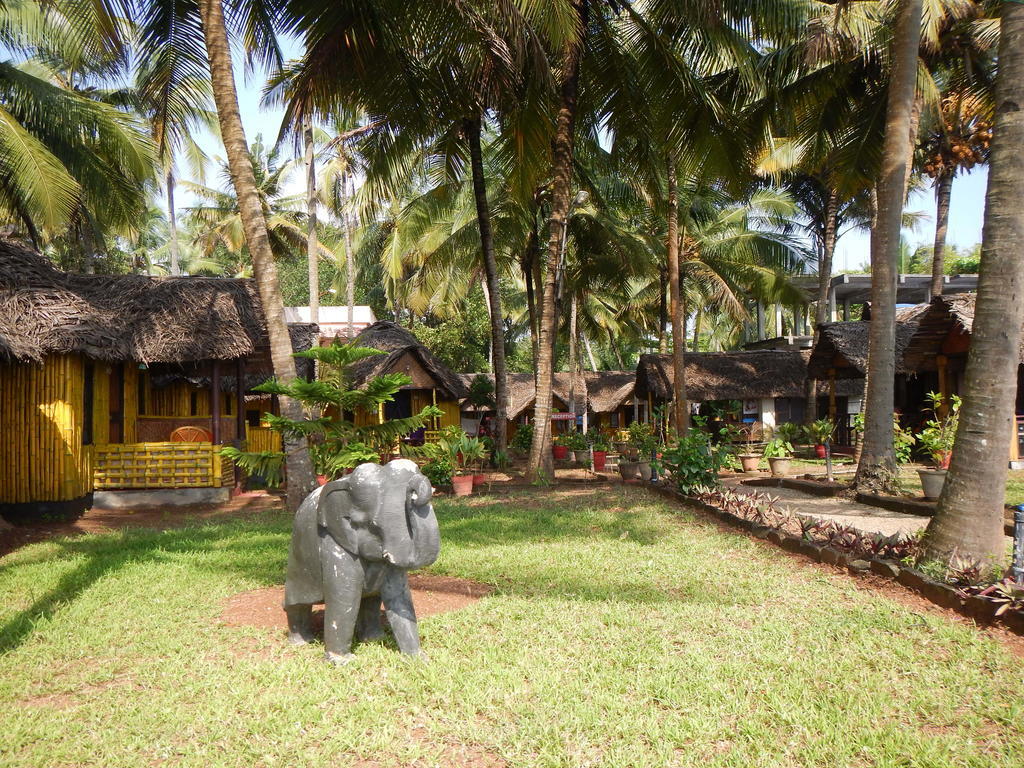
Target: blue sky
[[966, 211]]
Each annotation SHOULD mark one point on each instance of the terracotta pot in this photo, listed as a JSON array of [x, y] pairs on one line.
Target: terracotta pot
[[779, 466], [749, 461], [321, 479], [599, 459], [932, 481], [462, 485], [819, 451], [560, 452], [479, 480]]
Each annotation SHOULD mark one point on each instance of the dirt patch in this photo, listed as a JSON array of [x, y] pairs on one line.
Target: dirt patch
[[99, 520], [430, 594]]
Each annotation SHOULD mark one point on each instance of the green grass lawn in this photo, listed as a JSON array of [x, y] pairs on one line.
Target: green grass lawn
[[622, 632]]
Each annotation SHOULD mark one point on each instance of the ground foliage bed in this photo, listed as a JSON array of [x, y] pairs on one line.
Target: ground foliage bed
[[621, 633]]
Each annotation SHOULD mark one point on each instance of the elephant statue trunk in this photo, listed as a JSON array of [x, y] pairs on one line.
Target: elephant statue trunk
[[353, 542]]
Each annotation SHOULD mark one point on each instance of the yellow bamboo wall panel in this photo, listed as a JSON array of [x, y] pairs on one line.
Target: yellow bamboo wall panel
[[101, 403], [451, 416], [160, 465], [43, 412], [259, 439], [131, 399]]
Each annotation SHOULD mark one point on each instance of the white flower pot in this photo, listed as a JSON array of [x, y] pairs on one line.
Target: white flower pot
[[932, 481]]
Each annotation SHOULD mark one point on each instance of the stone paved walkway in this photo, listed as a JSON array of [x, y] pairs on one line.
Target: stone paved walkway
[[844, 511]]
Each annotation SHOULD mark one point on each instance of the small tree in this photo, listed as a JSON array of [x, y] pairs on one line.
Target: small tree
[[336, 442]]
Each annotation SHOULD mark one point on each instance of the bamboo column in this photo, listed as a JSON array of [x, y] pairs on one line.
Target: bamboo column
[[215, 401]]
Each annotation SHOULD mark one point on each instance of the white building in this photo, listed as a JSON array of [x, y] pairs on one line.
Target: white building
[[333, 321]]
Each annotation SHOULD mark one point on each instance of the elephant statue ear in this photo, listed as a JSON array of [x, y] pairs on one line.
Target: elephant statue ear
[[334, 512]]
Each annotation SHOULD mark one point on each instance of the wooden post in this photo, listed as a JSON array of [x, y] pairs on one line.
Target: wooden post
[[433, 400], [215, 402], [239, 417], [1014, 442], [380, 413], [940, 365], [832, 394]]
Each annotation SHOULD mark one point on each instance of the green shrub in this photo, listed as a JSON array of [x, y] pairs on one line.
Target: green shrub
[[693, 462], [523, 438], [439, 472], [777, 448]]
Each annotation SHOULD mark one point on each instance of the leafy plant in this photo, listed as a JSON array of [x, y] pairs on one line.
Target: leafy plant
[[575, 440], [481, 397], [693, 462], [600, 442], [336, 443], [939, 432], [820, 431], [642, 439], [470, 455], [902, 441], [439, 471], [777, 448], [523, 438], [789, 432]]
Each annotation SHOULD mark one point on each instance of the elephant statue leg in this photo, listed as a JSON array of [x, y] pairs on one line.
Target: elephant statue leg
[[300, 624], [368, 625], [401, 616], [343, 592]]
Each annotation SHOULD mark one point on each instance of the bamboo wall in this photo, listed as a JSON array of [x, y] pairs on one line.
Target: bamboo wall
[[42, 411], [258, 439], [161, 465]]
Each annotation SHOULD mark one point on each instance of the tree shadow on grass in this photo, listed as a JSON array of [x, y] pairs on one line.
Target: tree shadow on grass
[[240, 550]]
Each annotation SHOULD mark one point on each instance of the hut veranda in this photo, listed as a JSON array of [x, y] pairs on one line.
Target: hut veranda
[[125, 383]]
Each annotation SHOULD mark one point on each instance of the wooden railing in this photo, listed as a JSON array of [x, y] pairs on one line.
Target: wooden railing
[[160, 465]]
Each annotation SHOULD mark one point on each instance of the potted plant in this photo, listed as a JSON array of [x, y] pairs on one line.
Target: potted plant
[[779, 452], [519, 445], [645, 443], [576, 442], [475, 451], [819, 432], [748, 459], [560, 447], [937, 439], [600, 447]]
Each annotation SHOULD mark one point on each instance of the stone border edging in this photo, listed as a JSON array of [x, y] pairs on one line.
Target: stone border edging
[[811, 487], [896, 504], [942, 595]]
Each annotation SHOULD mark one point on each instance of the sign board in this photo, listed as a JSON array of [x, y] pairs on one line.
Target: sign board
[[563, 417]]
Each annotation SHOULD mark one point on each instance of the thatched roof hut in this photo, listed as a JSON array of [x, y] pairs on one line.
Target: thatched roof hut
[[403, 353], [844, 346], [944, 329], [608, 390], [121, 318], [750, 374], [522, 390]]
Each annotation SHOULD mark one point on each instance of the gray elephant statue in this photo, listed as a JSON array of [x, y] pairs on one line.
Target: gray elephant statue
[[354, 541]]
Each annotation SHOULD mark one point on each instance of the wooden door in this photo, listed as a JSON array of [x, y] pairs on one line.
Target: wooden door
[[116, 390]]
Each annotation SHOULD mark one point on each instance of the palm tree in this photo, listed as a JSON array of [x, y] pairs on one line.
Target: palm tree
[[969, 517], [877, 467], [254, 225]]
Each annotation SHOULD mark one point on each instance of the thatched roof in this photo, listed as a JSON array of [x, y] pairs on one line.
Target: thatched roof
[[945, 315], [844, 346], [123, 317], [396, 342], [607, 390], [741, 375], [522, 392]]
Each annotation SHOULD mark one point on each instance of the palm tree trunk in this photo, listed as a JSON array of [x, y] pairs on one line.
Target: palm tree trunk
[[312, 256], [590, 352], [680, 410], [300, 472], [828, 249], [877, 468], [561, 168], [347, 223], [531, 301], [472, 130], [662, 311], [943, 193], [172, 224], [573, 355], [615, 349], [698, 315], [969, 519]]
